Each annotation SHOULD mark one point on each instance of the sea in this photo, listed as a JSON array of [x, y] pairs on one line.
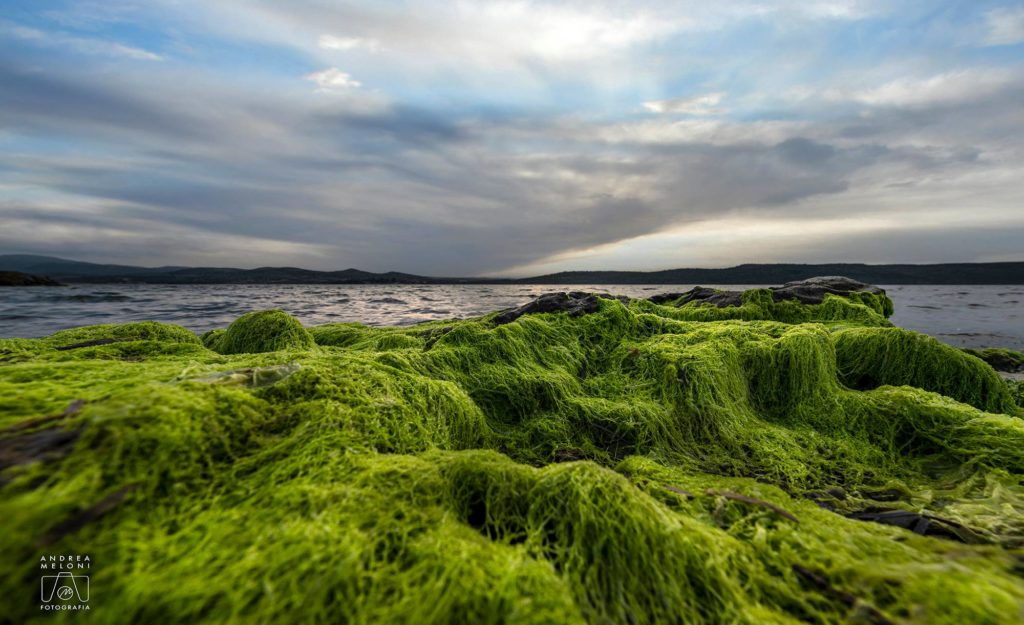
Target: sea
[[963, 316]]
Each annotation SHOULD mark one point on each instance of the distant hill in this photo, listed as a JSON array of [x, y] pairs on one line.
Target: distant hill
[[57, 267], [948, 273], [77, 271]]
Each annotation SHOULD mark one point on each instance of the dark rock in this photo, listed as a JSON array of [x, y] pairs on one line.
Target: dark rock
[[664, 298], [920, 523], [42, 445], [813, 290], [16, 278], [886, 494], [836, 492], [809, 291], [575, 303], [92, 343], [701, 294]]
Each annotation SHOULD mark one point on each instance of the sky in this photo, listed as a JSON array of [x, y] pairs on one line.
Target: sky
[[511, 137]]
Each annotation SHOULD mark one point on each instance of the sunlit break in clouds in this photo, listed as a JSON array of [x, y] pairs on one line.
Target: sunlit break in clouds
[[511, 138]]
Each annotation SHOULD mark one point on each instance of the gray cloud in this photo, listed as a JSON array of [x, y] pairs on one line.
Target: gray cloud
[[34, 101]]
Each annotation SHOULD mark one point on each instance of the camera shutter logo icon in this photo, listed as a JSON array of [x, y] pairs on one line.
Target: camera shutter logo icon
[[64, 587]]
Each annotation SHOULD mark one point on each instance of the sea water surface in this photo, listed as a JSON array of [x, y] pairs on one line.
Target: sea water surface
[[965, 316]]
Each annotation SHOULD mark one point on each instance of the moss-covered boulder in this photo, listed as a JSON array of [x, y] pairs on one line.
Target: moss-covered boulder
[[872, 357], [1005, 360], [88, 336], [261, 331]]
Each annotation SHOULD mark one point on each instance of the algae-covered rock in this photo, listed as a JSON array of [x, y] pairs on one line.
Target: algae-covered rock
[[1005, 360], [262, 331], [89, 336], [575, 303], [809, 291], [211, 338], [872, 357], [591, 461]]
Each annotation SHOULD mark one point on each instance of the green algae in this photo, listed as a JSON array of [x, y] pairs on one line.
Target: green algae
[[139, 331], [872, 357], [1016, 391], [625, 466], [860, 308], [1000, 359], [211, 338], [261, 331]]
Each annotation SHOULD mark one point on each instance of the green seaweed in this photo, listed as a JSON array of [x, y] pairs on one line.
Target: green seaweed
[[1016, 391], [860, 308], [261, 331], [870, 357], [211, 339], [641, 464], [999, 358]]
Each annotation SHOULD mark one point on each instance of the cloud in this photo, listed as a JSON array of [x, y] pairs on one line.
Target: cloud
[[83, 45], [967, 84], [332, 79], [34, 102], [1005, 26], [696, 105], [332, 42]]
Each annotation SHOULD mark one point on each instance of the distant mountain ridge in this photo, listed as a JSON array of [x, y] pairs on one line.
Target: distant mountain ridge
[[945, 273], [78, 271], [750, 273]]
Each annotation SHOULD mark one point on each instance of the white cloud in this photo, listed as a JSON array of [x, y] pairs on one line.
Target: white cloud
[[557, 33], [702, 130], [956, 86], [1005, 26], [332, 42], [332, 79], [84, 45], [696, 105]]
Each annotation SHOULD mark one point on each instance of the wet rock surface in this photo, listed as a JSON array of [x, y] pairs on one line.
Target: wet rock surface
[[920, 523], [700, 294], [814, 290], [809, 291], [575, 303]]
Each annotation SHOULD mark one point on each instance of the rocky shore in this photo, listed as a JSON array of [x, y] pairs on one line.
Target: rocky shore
[[779, 455], [16, 278]]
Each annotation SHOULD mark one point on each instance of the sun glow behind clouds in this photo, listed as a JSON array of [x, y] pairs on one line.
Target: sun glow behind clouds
[[696, 105], [705, 244], [332, 79]]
